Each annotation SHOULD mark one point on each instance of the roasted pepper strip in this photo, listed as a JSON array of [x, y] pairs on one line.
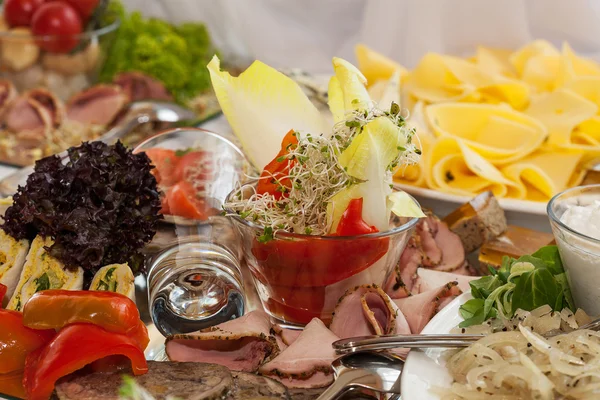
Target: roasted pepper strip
[[3, 290], [17, 341], [74, 347], [352, 222], [12, 384], [54, 309]]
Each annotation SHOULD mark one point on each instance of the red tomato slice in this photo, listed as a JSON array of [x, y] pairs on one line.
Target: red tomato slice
[[183, 202], [166, 163], [190, 167], [61, 23], [20, 12]]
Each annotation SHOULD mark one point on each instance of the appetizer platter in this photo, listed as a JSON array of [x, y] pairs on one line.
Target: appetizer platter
[[323, 247]]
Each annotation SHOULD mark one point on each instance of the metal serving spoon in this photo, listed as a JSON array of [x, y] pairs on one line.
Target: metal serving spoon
[[377, 372], [365, 343], [138, 113]]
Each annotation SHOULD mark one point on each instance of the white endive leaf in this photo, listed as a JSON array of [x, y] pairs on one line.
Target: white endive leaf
[[262, 105], [352, 83], [402, 205], [335, 99]]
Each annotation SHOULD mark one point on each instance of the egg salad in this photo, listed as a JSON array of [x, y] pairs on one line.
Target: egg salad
[[116, 278], [12, 258]]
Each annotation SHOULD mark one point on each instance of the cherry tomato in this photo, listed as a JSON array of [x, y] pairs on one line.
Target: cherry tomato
[[190, 167], [20, 12], [61, 22], [166, 163], [183, 201], [84, 7]]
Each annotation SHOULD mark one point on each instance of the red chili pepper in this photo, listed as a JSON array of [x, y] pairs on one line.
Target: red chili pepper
[[73, 348], [12, 384], [272, 180], [3, 290], [54, 309], [352, 223], [17, 341]]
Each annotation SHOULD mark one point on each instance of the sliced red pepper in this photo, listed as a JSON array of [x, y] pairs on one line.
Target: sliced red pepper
[[17, 341], [352, 222], [12, 384], [74, 347], [3, 290], [54, 309], [272, 179]]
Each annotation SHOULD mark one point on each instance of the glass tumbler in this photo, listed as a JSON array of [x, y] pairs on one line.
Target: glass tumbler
[[194, 273]]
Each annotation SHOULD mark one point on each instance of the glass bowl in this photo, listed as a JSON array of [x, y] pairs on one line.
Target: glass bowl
[[196, 169], [301, 277], [24, 62], [579, 252]]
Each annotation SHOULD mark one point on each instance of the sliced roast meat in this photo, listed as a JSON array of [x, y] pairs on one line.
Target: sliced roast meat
[[164, 380], [307, 362], [26, 115], [241, 344], [428, 279], [98, 105], [50, 102], [420, 308], [367, 310], [284, 336], [139, 86], [427, 230], [442, 249], [8, 93], [400, 283]]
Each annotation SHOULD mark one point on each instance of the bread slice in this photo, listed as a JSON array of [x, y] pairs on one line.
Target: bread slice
[[478, 221]]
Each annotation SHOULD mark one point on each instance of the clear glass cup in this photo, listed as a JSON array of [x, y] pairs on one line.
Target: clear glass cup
[[193, 270], [580, 253], [300, 277]]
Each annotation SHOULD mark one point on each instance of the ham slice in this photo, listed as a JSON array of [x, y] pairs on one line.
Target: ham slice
[[8, 93], [428, 279], [442, 249], [98, 105], [241, 344], [307, 362], [420, 308], [50, 102], [400, 283], [25, 116], [284, 336], [367, 310], [138, 86]]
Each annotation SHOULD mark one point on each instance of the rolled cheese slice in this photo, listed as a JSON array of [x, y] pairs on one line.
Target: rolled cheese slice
[[116, 278], [42, 272], [12, 258]]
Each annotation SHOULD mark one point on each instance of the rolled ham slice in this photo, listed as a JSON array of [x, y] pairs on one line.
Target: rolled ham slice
[[241, 344], [28, 118], [367, 310], [306, 363], [442, 249], [8, 93], [400, 284], [139, 86], [98, 105], [429, 279], [420, 308], [50, 102]]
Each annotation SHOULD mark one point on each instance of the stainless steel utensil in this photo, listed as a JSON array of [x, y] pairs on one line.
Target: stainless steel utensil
[[138, 113], [365, 343], [378, 372]]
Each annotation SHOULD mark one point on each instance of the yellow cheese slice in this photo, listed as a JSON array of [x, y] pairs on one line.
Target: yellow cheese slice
[[587, 87], [484, 126], [549, 172], [375, 66], [495, 61], [561, 111], [541, 72], [521, 57], [581, 66]]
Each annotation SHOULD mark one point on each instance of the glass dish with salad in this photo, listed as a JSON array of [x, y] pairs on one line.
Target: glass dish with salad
[[322, 218]]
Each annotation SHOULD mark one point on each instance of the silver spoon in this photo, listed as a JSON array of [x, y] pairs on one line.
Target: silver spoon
[[378, 372], [138, 113]]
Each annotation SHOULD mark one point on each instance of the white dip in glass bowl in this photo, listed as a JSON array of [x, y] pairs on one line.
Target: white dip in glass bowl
[[575, 218]]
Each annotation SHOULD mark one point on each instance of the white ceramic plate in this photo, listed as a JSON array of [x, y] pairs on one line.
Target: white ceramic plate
[[521, 206], [424, 369]]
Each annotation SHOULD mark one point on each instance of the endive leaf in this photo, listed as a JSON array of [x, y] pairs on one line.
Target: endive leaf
[[335, 99], [352, 83], [262, 105], [403, 205], [339, 203]]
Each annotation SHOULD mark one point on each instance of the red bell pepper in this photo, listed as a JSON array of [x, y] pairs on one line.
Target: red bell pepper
[[3, 290], [54, 309], [74, 347], [17, 341], [12, 384], [352, 223], [272, 179]]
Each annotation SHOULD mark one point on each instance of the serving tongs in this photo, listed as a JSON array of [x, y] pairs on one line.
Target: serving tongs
[[137, 113], [386, 342]]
